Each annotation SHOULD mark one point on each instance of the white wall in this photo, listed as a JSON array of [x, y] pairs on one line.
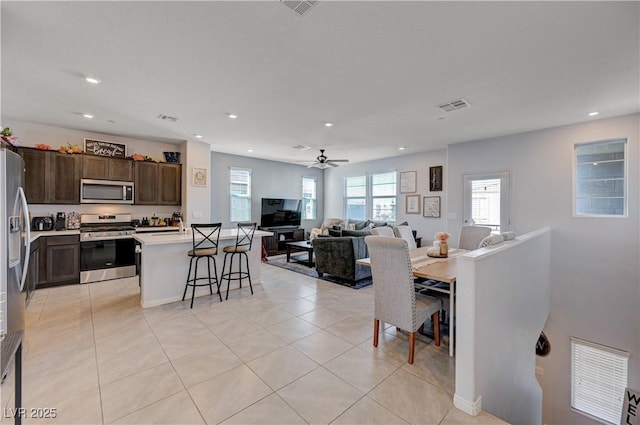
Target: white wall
[[503, 299], [420, 162], [196, 204], [269, 179], [595, 278]]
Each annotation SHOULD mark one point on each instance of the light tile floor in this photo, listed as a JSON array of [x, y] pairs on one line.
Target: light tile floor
[[298, 351]]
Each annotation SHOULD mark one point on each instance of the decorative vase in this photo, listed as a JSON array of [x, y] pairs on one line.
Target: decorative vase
[[172, 157], [444, 249]]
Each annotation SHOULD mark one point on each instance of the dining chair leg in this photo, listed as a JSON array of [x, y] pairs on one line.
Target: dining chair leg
[[195, 280], [376, 329], [215, 271], [435, 318], [246, 257], [184, 294], [412, 346], [209, 271]]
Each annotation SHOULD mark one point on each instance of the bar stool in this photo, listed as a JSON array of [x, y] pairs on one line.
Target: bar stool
[[205, 245], [244, 240]]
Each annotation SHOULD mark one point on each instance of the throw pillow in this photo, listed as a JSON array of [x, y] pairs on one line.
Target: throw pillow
[[491, 240], [356, 232], [375, 223], [359, 225], [335, 233]]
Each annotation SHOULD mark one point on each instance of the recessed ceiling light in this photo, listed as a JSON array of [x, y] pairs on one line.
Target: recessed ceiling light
[[593, 114], [232, 116], [198, 136], [328, 124], [92, 80], [401, 148], [249, 150], [87, 116]]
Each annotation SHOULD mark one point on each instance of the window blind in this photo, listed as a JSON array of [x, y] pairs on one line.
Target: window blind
[[598, 380]]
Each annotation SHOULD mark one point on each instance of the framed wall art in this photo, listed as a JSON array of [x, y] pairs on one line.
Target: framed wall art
[[199, 177], [431, 206], [413, 204], [435, 178], [408, 180]]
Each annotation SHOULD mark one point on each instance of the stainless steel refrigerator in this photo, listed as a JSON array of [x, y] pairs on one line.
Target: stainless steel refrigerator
[[14, 254]]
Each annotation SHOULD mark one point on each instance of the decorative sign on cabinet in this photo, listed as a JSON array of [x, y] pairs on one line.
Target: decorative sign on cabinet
[[103, 148]]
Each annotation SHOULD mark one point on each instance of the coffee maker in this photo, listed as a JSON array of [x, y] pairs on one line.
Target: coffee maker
[[61, 221]]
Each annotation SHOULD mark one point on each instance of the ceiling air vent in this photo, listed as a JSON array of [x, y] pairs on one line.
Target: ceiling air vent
[[302, 147], [454, 105], [300, 7], [167, 118]]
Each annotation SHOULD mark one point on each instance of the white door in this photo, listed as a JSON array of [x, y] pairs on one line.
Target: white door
[[486, 200]]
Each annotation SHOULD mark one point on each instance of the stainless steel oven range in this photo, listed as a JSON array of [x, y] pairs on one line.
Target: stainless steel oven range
[[107, 247]]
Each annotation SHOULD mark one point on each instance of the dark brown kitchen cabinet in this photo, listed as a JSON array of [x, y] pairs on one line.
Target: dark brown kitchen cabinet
[[65, 172], [170, 184], [146, 183], [35, 184], [51, 177], [59, 260], [158, 183], [104, 168]]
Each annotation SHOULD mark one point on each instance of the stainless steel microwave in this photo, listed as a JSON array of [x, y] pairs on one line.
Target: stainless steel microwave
[[105, 192]]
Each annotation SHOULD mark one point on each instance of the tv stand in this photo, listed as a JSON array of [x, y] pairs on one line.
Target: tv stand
[[277, 243]]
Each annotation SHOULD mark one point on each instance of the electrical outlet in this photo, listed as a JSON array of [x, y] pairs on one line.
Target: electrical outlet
[[197, 214], [452, 216], [539, 371]]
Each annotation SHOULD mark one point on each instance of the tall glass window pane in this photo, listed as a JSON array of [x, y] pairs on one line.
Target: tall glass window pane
[[356, 209], [309, 198], [600, 184], [355, 192], [240, 193], [383, 196]]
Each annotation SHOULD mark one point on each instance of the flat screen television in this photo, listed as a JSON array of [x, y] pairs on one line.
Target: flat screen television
[[279, 212]]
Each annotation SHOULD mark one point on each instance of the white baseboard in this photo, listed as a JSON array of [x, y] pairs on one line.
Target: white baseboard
[[468, 407]]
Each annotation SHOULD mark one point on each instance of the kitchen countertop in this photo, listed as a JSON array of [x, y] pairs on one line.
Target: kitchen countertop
[[36, 235], [171, 238]]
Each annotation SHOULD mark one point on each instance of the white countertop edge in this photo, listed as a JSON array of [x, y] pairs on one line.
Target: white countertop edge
[[172, 238]]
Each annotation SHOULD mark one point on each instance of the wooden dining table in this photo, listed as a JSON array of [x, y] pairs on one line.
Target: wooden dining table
[[441, 270]]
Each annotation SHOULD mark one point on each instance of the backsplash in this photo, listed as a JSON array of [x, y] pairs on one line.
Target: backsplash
[[136, 211]]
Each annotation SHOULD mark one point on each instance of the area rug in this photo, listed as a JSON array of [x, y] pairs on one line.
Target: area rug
[[281, 261]]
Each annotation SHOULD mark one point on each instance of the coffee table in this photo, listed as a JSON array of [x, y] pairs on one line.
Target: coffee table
[[304, 246]]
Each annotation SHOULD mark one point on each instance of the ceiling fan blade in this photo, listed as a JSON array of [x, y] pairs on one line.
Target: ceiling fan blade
[[330, 162], [338, 160], [315, 164]]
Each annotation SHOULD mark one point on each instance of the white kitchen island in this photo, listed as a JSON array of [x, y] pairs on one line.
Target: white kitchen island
[[164, 265]]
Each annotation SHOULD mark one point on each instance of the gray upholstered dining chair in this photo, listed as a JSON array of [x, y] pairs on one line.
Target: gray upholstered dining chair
[[471, 236], [405, 233], [383, 231], [394, 296]]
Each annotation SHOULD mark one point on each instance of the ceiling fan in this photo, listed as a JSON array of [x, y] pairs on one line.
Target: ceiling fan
[[323, 162]]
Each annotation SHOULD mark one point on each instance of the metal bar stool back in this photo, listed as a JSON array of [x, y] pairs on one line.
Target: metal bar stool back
[[244, 241], [205, 245]]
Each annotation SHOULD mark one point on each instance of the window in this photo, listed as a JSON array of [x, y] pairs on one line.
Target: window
[[240, 192], [383, 196], [486, 200], [598, 380], [355, 197], [375, 200], [600, 183], [309, 198]]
